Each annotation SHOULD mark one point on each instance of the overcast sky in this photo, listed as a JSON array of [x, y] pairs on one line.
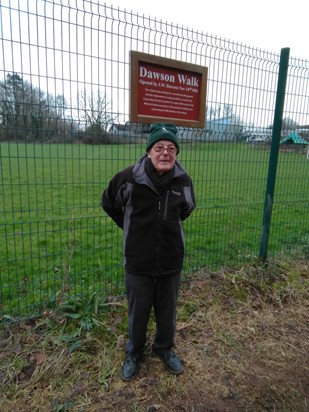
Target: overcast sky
[[266, 24]]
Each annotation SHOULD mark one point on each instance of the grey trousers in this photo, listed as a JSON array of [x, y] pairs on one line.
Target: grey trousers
[[143, 293]]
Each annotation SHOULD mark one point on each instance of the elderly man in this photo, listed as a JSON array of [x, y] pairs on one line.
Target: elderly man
[[149, 201]]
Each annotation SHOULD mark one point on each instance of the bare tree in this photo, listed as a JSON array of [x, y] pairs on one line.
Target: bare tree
[[95, 110], [289, 124], [215, 112], [27, 111]]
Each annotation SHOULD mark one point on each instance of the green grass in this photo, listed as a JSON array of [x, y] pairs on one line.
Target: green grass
[[55, 239]]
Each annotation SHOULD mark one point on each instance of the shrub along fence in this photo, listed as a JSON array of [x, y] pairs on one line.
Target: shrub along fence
[[64, 131]]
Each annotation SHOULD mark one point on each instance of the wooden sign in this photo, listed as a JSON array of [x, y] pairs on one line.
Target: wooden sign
[[167, 90]]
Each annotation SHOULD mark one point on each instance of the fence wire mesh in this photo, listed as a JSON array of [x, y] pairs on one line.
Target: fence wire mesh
[[64, 130]]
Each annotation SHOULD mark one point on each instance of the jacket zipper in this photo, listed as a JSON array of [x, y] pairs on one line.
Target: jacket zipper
[[157, 262], [166, 204]]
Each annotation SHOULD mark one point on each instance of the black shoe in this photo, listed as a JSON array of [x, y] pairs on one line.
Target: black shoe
[[171, 361], [130, 367]]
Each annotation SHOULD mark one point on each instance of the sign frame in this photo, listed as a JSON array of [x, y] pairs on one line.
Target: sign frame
[[192, 91]]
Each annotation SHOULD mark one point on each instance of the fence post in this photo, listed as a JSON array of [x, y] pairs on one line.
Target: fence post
[[274, 151]]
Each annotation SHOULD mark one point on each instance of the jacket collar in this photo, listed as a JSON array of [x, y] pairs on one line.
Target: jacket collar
[[139, 172]]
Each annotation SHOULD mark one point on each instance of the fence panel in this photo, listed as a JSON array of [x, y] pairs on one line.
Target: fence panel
[[64, 131]]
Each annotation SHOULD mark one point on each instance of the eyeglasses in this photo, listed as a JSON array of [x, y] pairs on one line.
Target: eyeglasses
[[160, 148]]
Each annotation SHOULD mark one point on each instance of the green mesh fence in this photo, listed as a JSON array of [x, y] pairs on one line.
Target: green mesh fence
[[64, 131]]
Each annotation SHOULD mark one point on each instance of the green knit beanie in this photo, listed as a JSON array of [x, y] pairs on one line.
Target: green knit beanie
[[162, 131]]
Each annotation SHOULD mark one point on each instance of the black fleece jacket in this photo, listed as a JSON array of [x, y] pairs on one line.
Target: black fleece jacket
[[151, 221]]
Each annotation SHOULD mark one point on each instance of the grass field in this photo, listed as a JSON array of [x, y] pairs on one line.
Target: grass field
[[55, 240]]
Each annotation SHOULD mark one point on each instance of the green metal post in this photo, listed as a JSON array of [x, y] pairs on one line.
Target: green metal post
[[274, 151]]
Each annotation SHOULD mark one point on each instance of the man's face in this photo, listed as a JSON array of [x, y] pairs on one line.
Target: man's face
[[163, 155]]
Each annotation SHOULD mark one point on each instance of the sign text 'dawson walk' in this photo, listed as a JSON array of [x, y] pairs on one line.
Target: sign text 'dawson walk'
[[170, 91]]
